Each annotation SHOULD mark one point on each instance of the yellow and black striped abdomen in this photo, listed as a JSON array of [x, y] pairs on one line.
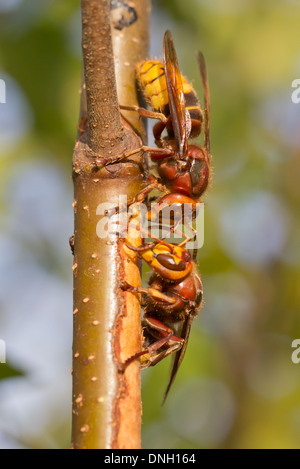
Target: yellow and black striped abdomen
[[192, 105], [152, 81]]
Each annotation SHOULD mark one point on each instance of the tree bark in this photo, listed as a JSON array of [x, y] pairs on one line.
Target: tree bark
[[107, 321]]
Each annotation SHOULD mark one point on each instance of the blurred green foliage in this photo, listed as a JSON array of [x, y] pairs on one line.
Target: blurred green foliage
[[7, 371], [237, 387]]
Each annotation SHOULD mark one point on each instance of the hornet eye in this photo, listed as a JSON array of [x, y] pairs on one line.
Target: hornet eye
[[168, 261]]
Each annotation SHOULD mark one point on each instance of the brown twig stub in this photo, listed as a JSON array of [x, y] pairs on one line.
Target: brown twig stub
[[105, 127]]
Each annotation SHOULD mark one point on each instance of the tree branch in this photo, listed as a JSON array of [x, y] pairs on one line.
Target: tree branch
[[107, 322]]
